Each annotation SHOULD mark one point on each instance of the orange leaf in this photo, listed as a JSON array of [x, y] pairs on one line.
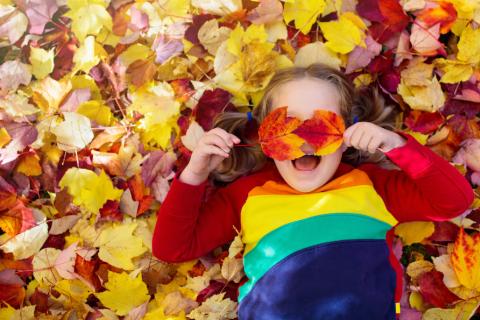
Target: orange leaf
[[443, 12], [276, 138], [466, 259], [283, 137]]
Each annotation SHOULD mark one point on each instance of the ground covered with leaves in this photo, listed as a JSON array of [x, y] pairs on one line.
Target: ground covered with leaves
[[102, 101]]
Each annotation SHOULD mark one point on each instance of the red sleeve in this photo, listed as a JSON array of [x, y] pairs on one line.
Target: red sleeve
[[426, 188], [189, 225]]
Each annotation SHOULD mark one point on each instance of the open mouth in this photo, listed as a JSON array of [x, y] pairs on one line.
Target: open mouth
[[306, 163]]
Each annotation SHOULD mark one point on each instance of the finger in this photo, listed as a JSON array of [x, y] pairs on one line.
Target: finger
[[212, 149], [373, 145], [213, 139], [356, 136], [348, 133], [235, 138], [223, 134], [366, 139]]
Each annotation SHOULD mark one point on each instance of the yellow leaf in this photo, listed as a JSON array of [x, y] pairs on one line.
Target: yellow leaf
[[344, 34], [74, 133], [134, 52], [123, 293], [317, 52], [420, 137], [156, 102], [44, 265], [415, 231], [232, 269], [24, 313], [427, 98], [454, 71], [88, 189], [7, 313], [84, 81], [4, 137], [416, 301], [246, 64], [49, 93], [362, 80], [96, 111], [215, 307], [304, 12], [29, 165], [42, 61], [211, 36], [418, 73], [88, 17], [416, 268], [238, 38], [118, 245], [73, 293], [463, 310], [469, 46], [88, 55], [16, 104], [466, 259]]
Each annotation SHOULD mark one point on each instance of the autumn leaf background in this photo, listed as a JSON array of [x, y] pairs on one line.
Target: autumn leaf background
[[102, 101]]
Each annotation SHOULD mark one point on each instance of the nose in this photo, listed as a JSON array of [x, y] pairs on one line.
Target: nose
[[307, 148]]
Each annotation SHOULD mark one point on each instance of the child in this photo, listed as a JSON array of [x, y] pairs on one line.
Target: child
[[317, 230]]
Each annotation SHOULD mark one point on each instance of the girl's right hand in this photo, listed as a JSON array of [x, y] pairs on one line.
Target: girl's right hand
[[210, 151]]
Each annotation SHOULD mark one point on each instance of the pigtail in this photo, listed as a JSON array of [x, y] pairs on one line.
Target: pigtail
[[243, 160], [369, 106]]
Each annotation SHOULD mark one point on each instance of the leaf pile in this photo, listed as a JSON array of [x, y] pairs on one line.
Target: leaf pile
[[102, 101]]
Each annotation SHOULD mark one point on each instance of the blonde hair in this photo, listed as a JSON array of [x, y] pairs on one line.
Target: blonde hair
[[366, 103]]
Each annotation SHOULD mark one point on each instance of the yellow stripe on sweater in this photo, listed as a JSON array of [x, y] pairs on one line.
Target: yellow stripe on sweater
[[273, 205]]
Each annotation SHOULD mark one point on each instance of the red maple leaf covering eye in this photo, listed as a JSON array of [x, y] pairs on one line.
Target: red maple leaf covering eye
[[282, 137]]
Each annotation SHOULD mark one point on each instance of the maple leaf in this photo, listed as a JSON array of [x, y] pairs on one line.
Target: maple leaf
[[316, 52], [123, 292], [466, 259], [12, 291], [434, 290], [29, 242], [350, 26], [216, 307], [118, 245], [89, 189], [42, 62], [281, 136], [442, 12], [468, 47], [39, 13], [88, 17], [415, 231], [303, 12]]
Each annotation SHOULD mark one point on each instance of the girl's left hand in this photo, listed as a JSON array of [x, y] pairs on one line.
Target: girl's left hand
[[367, 136]]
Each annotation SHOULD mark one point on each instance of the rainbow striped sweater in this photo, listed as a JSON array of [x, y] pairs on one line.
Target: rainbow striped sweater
[[317, 255]]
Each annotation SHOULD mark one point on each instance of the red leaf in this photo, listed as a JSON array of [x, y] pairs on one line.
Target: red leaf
[[423, 121], [210, 104], [434, 290]]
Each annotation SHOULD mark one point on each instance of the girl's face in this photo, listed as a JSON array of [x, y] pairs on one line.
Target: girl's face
[[302, 97]]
